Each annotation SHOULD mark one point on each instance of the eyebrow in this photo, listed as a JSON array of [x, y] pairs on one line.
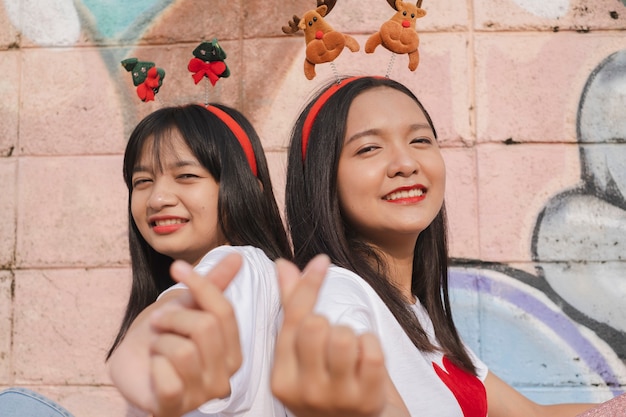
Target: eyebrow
[[368, 132], [177, 164]]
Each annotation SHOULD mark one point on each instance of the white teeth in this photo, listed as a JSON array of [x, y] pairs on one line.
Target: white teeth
[[168, 222], [405, 194]]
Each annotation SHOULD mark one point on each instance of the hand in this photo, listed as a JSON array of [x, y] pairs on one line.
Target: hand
[[196, 347], [321, 369]]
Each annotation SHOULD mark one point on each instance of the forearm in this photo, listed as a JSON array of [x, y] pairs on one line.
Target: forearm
[[563, 410], [392, 410], [129, 364]]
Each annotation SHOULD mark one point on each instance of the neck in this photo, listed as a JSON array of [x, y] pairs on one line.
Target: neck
[[399, 260]]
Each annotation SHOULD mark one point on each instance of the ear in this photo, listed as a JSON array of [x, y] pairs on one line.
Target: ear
[[322, 10]]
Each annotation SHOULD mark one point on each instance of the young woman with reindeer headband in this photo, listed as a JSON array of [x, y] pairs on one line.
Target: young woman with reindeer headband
[[365, 185]]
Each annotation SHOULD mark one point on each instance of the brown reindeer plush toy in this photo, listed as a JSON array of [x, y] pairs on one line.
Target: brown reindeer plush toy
[[323, 43], [398, 34]]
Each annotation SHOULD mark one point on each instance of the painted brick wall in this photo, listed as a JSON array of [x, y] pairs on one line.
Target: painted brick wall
[[529, 100]]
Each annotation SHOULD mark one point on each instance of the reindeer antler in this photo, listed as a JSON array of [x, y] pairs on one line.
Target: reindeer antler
[[392, 3], [293, 25], [329, 3]]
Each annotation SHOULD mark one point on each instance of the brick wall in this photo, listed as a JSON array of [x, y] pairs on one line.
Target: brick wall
[[518, 91]]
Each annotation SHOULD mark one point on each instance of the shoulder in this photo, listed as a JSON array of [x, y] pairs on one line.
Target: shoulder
[[345, 298], [253, 258], [345, 283]]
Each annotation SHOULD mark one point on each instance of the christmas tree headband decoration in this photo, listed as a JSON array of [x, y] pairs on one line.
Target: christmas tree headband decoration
[[146, 77], [323, 43], [208, 62]]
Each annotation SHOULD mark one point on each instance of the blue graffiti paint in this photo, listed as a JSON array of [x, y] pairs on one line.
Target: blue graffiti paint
[[120, 19], [529, 341]]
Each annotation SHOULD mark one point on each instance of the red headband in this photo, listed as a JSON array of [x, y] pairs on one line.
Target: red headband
[[315, 109], [239, 133]]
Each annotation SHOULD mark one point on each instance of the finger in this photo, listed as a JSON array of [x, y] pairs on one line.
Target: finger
[[342, 352], [206, 332], [209, 297], [311, 349], [300, 299], [371, 363], [167, 386], [288, 277], [182, 355], [220, 275]]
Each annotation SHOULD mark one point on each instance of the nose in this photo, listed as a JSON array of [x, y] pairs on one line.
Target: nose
[[161, 196], [402, 163]]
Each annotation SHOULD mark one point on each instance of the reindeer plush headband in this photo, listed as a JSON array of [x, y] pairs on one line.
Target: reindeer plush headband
[[324, 44], [208, 62]]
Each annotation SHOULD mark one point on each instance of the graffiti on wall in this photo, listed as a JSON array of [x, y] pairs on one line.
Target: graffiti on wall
[[113, 20], [564, 326]]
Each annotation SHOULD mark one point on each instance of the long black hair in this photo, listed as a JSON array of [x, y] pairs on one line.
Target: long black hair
[[316, 224], [247, 210]]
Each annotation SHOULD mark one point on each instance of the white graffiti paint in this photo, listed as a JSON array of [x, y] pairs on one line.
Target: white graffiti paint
[[581, 237], [552, 9], [45, 22]]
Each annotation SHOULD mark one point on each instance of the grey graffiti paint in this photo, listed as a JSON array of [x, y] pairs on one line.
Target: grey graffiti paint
[[579, 240]]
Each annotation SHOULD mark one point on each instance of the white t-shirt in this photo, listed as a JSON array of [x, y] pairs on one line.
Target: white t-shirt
[[255, 297], [347, 299]]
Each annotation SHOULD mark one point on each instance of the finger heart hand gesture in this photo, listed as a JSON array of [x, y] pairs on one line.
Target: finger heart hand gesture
[[321, 369]]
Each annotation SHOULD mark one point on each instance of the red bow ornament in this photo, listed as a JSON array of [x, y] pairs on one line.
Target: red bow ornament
[[211, 70], [147, 90]]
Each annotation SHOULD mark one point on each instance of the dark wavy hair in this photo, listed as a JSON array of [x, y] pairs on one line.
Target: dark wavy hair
[[316, 224], [247, 210]]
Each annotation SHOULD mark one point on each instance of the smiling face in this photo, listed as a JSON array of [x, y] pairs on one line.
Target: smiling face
[[391, 176], [174, 203]]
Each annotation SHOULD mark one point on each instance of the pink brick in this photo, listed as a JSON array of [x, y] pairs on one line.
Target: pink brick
[[189, 21], [72, 211], [462, 202], [549, 15], [277, 162], [6, 320], [442, 83], [9, 105], [8, 33], [515, 182], [8, 208], [71, 107], [65, 320], [529, 86]]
